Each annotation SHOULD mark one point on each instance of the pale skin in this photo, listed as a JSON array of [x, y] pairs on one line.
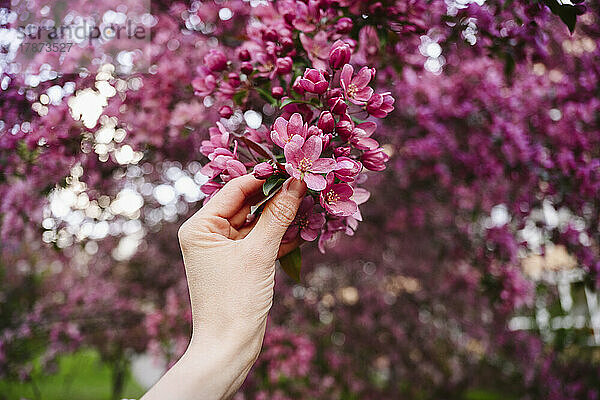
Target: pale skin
[[230, 269]]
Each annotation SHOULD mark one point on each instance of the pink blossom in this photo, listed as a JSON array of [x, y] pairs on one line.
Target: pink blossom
[[218, 162], [219, 138], [347, 169], [314, 81], [303, 161], [375, 160], [277, 92], [225, 112], [307, 222], [356, 88], [380, 104], [204, 85], [336, 199], [284, 130], [360, 196], [317, 48], [297, 87], [361, 136], [211, 187], [345, 127], [339, 55], [235, 168], [303, 16], [344, 25], [247, 68]]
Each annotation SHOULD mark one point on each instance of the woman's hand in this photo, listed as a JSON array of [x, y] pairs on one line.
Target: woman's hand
[[230, 268]]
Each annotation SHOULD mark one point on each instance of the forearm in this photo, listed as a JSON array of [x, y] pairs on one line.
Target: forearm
[[209, 369]]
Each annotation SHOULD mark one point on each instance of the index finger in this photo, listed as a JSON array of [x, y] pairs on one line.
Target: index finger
[[232, 196]]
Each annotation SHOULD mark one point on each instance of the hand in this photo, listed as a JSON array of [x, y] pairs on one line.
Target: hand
[[230, 268]]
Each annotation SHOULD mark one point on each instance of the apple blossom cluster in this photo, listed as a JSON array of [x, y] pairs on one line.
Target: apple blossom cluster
[[318, 139]]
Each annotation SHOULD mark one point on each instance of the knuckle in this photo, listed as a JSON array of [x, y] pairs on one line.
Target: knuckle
[[184, 234], [283, 212]]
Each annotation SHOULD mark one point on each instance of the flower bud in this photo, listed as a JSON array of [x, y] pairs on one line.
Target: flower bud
[[263, 170], [270, 35], [297, 86], [234, 79], [287, 43], [344, 25], [215, 60], [327, 139], [246, 68], [375, 160], [326, 122], [225, 112], [283, 65], [244, 55], [344, 127], [337, 105], [380, 105], [347, 169], [339, 55], [277, 92], [342, 151]]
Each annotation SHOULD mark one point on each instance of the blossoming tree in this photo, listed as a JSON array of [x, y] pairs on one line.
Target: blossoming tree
[[486, 116]]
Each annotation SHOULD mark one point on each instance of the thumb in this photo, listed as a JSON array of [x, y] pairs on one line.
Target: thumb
[[278, 215]]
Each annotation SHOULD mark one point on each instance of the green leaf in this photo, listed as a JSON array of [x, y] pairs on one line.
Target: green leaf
[[566, 12], [357, 120], [28, 156], [292, 101], [273, 183], [239, 97], [266, 95], [291, 264]]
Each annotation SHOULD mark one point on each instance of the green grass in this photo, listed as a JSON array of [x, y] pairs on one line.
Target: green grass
[[81, 376], [479, 394]]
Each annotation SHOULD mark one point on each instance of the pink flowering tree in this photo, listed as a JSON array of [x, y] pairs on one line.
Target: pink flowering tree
[[467, 133]]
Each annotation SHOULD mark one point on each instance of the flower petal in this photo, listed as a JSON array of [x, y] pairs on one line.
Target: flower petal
[[343, 190], [312, 147], [367, 127], [294, 126], [346, 75], [323, 165], [344, 208], [363, 78], [361, 195], [315, 182], [316, 221], [309, 234]]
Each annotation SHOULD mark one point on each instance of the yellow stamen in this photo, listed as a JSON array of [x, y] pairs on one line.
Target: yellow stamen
[[331, 197]]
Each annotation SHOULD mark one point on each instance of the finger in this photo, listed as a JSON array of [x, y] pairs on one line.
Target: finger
[[278, 214], [232, 196], [239, 219], [243, 231], [288, 247]]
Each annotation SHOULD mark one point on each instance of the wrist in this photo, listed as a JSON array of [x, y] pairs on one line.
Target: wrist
[[222, 361]]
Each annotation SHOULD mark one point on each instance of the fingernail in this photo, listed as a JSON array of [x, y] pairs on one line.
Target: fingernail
[[295, 187]]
